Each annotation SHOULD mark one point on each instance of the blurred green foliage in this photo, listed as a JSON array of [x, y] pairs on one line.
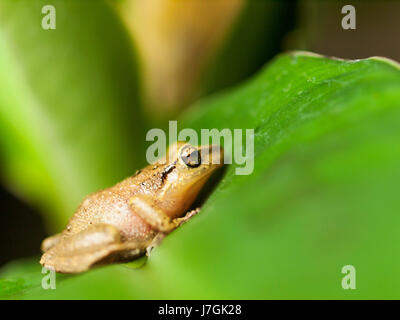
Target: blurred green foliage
[[323, 194], [70, 121]]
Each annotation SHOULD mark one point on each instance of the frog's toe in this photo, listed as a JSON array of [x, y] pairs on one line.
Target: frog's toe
[[50, 242]]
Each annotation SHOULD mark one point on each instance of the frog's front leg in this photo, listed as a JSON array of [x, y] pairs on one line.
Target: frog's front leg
[[160, 236], [95, 245], [155, 217]]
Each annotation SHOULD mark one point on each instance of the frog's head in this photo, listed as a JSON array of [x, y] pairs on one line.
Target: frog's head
[[187, 168]]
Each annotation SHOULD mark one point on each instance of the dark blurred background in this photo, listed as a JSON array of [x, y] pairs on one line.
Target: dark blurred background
[[298, 25]]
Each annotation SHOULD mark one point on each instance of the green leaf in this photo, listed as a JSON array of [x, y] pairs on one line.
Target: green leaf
[[69, 108], [323, 194]]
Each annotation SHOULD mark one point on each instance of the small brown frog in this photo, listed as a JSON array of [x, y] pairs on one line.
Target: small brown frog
[[122, 223]]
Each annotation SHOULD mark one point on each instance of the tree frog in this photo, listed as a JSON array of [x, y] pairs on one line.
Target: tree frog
[[123, 222]]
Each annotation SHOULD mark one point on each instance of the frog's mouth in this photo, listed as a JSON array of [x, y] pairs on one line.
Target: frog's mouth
[[193, 177], [212, 158], [187, 187]]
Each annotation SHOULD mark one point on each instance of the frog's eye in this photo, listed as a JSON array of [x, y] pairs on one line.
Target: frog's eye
[[190, 156]]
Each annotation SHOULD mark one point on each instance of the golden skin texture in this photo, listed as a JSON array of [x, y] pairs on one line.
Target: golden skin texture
[[120, 223]]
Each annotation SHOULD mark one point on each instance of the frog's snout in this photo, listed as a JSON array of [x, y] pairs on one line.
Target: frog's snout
[[212, 155]]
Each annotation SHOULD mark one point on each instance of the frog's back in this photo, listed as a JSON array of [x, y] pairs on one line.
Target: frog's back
[[110, 206]]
